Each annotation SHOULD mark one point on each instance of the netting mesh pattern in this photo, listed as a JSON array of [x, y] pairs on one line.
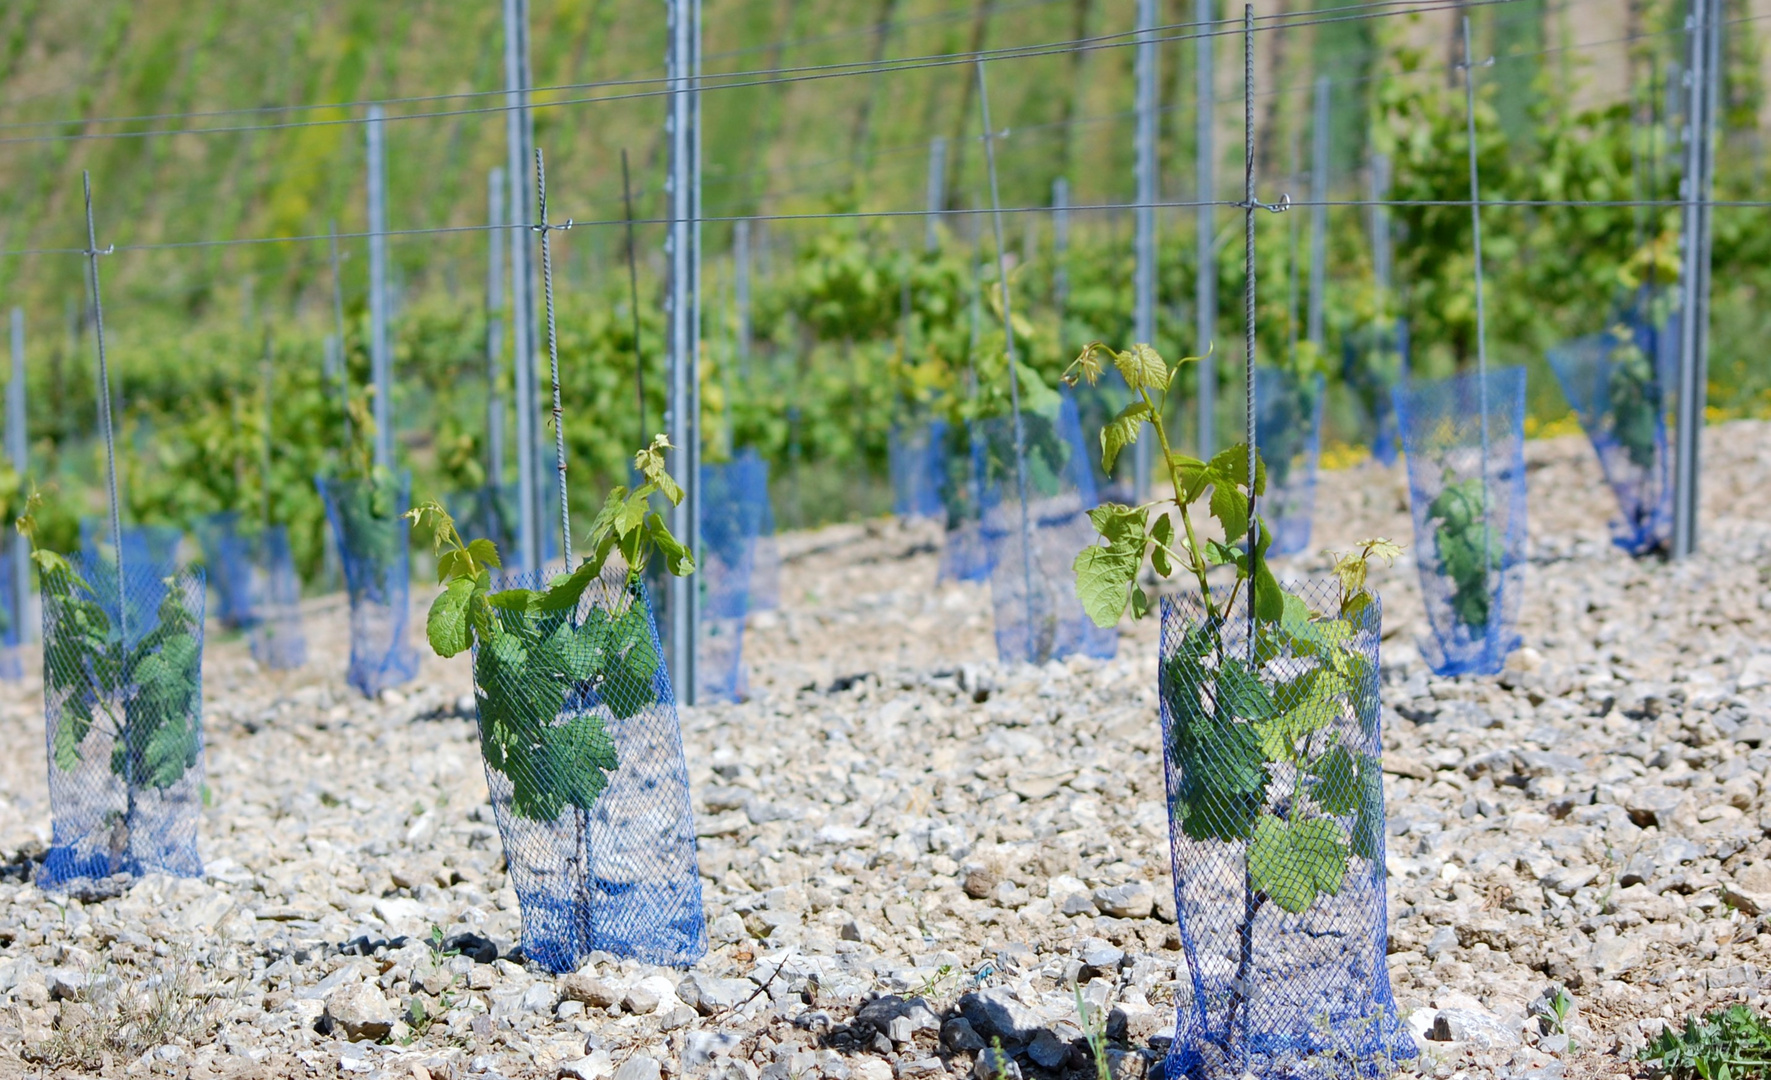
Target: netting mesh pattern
[[967, 496], [1374, 361], [277, 638], [1620, 383], [1288, 427], [143, 545], [373, 544], [12, 608], [734, 500], [124, 711], [584, 758], [916, 456], [1275, 797], [765, 575], [1465, 447], [1033, 530], [227, 561]]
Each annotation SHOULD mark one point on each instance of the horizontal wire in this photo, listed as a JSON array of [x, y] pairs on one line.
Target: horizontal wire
[[259, 110], [853, 215], [810, 73]]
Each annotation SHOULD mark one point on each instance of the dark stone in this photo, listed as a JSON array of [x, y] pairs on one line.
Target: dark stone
[[479, 949]]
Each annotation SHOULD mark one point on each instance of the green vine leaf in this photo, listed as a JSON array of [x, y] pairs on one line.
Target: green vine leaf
[[1294, 862], [1122, 431], [447, 625], [1104, 574], [1337, 789]]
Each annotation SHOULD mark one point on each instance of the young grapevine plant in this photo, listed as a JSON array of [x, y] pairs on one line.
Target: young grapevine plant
[[1258, 740], [540, 670], [1469, 550], [144, 695]]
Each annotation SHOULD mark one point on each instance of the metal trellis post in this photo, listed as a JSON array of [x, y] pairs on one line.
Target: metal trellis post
[[937, 197], [683, 419], [1380, 224], [1060, 250], [494, 329], [1205, 287], [1702, 29], [379, 361], [633, 303], [741, 291], [518, 137], [1318, 218], [18, 450], [1144, 306]]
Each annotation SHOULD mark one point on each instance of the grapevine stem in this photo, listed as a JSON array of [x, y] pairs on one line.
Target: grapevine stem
[[1194, 563]]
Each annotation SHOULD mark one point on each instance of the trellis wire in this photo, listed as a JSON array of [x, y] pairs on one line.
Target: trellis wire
[[849, 69]]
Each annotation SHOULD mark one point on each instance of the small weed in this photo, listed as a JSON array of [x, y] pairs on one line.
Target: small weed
[[1094, 1029], [124, 1017], [1729, 1044], [437, 952]]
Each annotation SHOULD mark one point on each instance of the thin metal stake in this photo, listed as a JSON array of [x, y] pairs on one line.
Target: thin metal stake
[[1481, 310], [553, 351], [1205, 285], [633, 301], [1008, 333], [1248, 267], [104, 401]]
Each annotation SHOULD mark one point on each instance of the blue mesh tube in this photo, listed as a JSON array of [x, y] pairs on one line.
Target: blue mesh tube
[[584, 760], [967, 495], [277, 639], [373, 541], [12, 610], [916, 457], [1032, 545], [765, 574], [1619, 383], [1374, 361], [1469, 514], [1278, 851], [143, 545], [227, 559], [734, 500], [1288, 426], [124, 719]]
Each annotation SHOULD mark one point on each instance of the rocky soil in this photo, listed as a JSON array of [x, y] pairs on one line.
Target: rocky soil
[[909, 851]]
